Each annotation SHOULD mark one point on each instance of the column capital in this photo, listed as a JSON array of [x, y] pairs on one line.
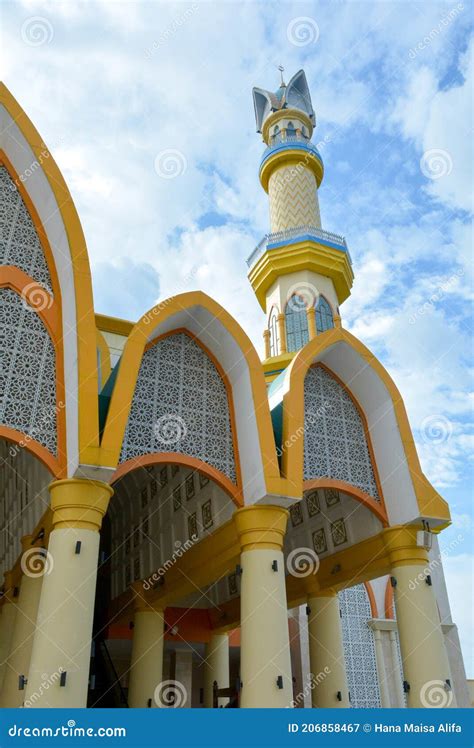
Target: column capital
[[80, 503], [261, 526], [402, 547]]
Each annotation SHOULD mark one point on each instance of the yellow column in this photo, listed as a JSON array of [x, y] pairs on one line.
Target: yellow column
[[62, 642], [265, 666], [266, 341], [311, 315], [282, 332], [146, 668], [7, 623], [33, 566], [326, 653], [425, 661], [216, 668]]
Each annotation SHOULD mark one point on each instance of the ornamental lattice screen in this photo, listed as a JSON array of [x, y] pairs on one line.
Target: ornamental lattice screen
[[180, 405], [19, 242], [27, 372], [335, 445], [359, 648]]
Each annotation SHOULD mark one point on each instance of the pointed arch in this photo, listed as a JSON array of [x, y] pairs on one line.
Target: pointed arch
[[296, 323], [408, 494], [273, 329], [221, 335], [50, 204], [324, 315]]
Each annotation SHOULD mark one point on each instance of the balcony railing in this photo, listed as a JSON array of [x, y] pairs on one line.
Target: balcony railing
[[290, 235], [280, 140]]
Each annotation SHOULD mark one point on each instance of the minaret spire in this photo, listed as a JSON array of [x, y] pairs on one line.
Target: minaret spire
[[299, 272]]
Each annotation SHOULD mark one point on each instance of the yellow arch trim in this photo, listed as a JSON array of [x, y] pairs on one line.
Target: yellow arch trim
[[130, 364], [430, 503], [86, 330]]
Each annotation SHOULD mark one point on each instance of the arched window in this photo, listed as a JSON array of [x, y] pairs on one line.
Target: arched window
[[274, 339], [324, 318], [297, 334], [290, 129]]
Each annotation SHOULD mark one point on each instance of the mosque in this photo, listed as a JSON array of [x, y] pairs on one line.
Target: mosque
[[182, 523]]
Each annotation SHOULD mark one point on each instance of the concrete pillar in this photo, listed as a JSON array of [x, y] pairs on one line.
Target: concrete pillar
[[424, 656], [181, 683], [329, 681], [7, 624], [399, 696], [62, 642], [282, 333], [311, 315], [216, 668], [266, 342], [265, 664], [34, 565], [146, 669], [381, 669]]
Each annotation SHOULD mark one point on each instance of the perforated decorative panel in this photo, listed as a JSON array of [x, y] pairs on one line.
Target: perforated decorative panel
[[335, 445], [359, 648], [180, 405], [19, 242], [27, 372]]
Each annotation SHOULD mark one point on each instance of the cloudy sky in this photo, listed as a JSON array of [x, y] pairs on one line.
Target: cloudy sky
[[147, 108]]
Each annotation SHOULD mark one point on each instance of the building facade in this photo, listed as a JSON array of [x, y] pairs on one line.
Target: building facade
[[182, 524]]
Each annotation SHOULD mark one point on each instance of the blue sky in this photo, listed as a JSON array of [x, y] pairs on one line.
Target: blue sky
[[122, 92]]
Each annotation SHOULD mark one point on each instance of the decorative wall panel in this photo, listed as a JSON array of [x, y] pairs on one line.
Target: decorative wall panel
[[180, 405], [19, 242], [27, 372], [335, 445], [359, 648]]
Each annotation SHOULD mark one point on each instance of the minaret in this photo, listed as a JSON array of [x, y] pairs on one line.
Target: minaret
[[300, 273]]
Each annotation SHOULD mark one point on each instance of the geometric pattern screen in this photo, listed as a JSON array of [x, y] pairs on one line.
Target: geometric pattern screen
[[180, 405], [359, 648], [19, 242], [335, 445], [27, 372]]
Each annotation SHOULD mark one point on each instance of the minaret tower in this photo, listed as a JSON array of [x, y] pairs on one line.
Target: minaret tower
[[300, 273]]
